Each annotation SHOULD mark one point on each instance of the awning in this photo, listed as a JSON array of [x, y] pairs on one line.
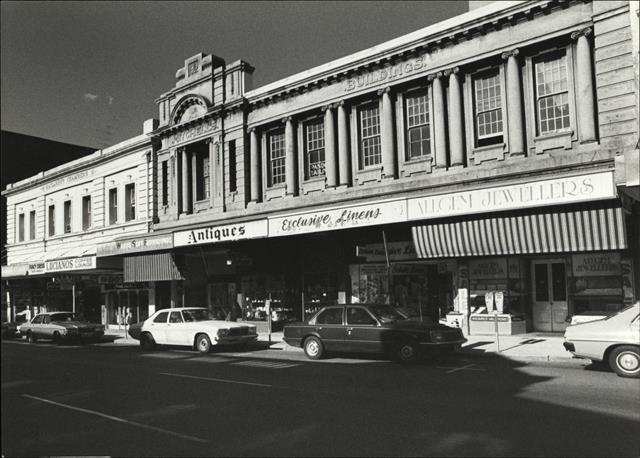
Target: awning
[[573, 230], [151, 267]]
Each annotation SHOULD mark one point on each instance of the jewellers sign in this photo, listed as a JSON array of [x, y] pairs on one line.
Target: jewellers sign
[[143, 243], [339, 218], [61, 265], [595, 186], [215, 234]]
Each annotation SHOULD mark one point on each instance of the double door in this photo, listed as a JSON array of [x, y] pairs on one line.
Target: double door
[[550, 307]]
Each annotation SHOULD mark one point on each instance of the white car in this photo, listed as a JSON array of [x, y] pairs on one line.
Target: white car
[[194, 327], [614, 340]]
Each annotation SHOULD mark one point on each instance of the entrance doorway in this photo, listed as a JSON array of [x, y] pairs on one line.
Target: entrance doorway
[[550, 308]]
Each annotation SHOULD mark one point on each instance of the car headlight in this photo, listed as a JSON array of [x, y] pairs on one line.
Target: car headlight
[[223, 332]]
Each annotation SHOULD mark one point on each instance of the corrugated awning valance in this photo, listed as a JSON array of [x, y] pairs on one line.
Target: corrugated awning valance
[[574, 230], [151, 267]]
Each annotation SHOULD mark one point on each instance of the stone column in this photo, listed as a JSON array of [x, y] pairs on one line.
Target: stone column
[[255, 166], [456, 131], [290, 158], [343, 146], [439, 117], [584, 87], [387, 135], [515, 121], [185, 180], [194, 180], [331, 170], [211, 184]]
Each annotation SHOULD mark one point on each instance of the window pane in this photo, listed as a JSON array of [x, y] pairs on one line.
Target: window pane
[[52, 220], [488, 107], [130, 202], [232, 166], [314, 134], [165, 182], [552, 94], [86, 212], [559, 283], [21, 227], [113, 206], [359, 316], [542, 283], [330, 316], [67, 216], [370, 135], [32, 225], [277, 158]]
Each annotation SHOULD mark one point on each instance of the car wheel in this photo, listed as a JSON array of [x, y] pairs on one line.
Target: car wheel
[[31, 338], [407, 352], [203, 344], [313, 348], [147, 341], [57, 338], [625, 361]]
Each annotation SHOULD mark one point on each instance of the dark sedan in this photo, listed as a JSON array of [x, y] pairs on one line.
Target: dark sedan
[[363, 328]]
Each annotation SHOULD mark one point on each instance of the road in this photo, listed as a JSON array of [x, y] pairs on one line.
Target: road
[[117, 400]]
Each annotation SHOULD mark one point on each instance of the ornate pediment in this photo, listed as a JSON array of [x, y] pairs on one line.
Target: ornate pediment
[[189, 108]]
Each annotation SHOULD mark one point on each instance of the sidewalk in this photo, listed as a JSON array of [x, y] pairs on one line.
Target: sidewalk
[[534, 346]]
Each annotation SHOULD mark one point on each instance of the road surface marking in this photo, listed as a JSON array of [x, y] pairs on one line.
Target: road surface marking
[[120, 420], [273, 365], [468, 367], [216, 379]]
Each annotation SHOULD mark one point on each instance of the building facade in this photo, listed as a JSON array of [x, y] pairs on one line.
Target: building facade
[[485, 163]]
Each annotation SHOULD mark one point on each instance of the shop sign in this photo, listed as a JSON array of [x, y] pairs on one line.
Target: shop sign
[[596, 264], [398, 251], [580, 188], [36, 268], [69, 180], [15, 270], [225, 233], [143, 243], [339, 218], [489, 318], [488, 268], [61, 265]]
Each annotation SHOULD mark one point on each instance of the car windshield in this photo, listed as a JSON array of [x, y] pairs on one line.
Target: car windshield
[[386, 313], [621, 311], [197, 315], [63, 317]]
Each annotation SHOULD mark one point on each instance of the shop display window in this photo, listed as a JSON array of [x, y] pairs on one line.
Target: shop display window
[[596, 284], [497, 284]]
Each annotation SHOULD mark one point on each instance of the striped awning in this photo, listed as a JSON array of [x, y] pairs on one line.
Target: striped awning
[[151, 267], [583, 229]]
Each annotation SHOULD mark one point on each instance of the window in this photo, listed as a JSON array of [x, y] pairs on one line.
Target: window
[[21, 227], [314, 142], [418, 126], [130, 202], [113, 206], [276, 158], [52, 220], [233, 186], [175, 317], [552, 93], [370, 136], [165, 183], [86, 212], [67, 216], [161, 318], [38, 319], [488, 109], [330, 316], [32, 224], [203, 185], [359, 316]]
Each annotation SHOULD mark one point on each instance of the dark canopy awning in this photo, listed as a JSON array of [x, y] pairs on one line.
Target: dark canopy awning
[[560, 230], [151, 267]]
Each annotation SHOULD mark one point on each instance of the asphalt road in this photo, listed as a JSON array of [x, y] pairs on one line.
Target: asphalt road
[[117, 400]]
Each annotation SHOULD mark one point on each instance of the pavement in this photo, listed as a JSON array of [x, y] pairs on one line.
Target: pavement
[[533, 346]]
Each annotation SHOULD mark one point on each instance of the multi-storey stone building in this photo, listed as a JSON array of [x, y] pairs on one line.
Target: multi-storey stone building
[[486, 162]]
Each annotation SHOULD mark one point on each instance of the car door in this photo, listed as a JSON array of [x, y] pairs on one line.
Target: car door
[[46, 328], [363, 332], [158, 327], [329, 326], [177, 332], [36, 325]]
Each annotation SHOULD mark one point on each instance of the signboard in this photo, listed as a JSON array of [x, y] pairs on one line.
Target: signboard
[[579, 188], [36, 268], [463, 300], [489, 318], [15, 270], [398, 251], [499, 298], [596, 264], [339, 218], [225, 233], [488, 268], [142, 243], [61, 265]]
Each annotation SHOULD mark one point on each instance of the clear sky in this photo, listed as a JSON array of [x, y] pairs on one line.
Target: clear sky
[[88, 72]]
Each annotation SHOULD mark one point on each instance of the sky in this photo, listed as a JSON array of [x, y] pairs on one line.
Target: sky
[[88, 73]]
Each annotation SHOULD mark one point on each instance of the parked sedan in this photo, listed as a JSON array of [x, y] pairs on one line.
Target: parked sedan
[[194, 327], [60, 326], [361, 328], [614, 340]]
